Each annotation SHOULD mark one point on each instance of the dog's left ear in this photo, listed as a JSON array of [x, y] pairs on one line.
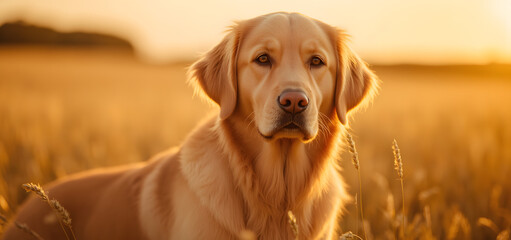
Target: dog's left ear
[[215, 73], [356, 83]]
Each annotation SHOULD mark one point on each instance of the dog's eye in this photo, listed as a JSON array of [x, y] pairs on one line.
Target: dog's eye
[[263, 59], [316, 61]]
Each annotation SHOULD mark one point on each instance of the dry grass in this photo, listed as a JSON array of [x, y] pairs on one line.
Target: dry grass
[[398, 165], [67, 110], [61, 213], [454, 131], [293, 224], [356, 163], [21, 226]]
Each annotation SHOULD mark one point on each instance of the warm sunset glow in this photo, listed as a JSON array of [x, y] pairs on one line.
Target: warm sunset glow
[[502, 10], [395, 31]]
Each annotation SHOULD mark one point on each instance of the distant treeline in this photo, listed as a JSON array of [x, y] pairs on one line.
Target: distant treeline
[[483, 71], [21, 33]]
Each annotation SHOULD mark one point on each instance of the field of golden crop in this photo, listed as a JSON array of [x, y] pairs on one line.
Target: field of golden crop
[[64, 110]]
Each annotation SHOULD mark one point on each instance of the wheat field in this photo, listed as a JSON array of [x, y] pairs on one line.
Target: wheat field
[[68, 109]]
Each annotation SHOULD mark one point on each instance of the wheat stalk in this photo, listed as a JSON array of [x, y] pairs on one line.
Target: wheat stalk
[[482, 221], [348, 236], [398, 165], [356, 164], [61, 212], [356, 207], [21, 226], [37, 189], [504, 235], [64, 215], [398, 162], [26, 229], [292, 223], [353, 151]]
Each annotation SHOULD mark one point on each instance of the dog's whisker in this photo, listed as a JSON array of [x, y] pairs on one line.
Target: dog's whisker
[[323, 124], [326, 118], [251, 118]]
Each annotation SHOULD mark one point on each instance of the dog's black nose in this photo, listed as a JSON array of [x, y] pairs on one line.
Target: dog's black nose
[[293, 101]]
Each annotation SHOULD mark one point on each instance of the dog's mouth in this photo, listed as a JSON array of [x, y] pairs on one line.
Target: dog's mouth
[[289, 127], [292, 126]]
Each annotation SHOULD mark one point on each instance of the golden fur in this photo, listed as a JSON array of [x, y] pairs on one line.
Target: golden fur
[[241, 169]]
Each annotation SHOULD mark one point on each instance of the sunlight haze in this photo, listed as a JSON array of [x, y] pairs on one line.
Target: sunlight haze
[[383, 32]]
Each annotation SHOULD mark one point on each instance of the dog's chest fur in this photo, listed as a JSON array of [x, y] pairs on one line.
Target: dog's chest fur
[[237, 192]]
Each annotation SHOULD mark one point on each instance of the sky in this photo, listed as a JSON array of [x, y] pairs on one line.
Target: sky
[[383, 31]]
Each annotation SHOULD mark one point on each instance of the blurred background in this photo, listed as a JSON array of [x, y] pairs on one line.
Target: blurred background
[[86, 84]]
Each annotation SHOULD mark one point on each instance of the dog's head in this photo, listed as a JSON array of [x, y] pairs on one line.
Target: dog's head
[[286, 72]]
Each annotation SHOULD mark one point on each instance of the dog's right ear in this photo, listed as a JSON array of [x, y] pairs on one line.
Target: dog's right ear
[[215, 73]]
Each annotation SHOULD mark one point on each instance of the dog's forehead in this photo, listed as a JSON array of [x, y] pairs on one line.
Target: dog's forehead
[[286, 27]]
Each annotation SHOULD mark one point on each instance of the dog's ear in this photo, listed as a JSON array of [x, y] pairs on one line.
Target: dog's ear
[[356, 83], [215, 73]]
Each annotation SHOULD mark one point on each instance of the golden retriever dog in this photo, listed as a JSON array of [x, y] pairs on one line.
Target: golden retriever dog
[[284, 83]]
